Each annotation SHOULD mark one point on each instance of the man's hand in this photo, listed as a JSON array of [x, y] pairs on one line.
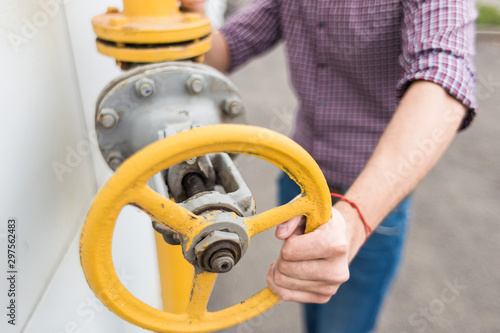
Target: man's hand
[[312, 266], [193, 5]]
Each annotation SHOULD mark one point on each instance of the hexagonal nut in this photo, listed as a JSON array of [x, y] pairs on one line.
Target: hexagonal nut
[[108, 118], [196, 84], [218, 252], [233, 106], [216, 236], [115, 159], [145, 87]]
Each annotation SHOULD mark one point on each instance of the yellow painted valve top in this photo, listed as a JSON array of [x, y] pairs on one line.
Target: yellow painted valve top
[[148, 31]]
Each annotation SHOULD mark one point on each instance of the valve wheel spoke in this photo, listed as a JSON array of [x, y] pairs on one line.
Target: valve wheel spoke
[[277, 215], [163, 210], [203, 284]]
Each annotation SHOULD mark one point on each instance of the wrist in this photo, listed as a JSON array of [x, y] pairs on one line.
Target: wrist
[[355, 228]]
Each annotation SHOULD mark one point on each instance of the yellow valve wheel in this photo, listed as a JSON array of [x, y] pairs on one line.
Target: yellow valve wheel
[[128, 187]]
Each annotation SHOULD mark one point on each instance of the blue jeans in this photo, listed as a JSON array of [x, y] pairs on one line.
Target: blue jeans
[[355, 306]]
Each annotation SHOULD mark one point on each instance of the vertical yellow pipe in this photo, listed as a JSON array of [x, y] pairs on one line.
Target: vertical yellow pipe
[[176, 276], [149, 8]]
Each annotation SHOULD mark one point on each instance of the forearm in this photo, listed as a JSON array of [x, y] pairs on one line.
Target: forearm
[[423, 126], [218, 56]]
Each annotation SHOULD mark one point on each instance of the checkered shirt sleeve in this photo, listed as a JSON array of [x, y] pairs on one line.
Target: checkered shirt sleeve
[[438, 45], [252, 31]]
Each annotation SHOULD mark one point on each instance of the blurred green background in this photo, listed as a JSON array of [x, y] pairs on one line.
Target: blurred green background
[[489, 15]]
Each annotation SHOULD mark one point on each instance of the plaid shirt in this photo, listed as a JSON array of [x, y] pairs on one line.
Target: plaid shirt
[[350, 62]]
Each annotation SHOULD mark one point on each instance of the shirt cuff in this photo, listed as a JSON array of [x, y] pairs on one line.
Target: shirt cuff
[[448, 71]]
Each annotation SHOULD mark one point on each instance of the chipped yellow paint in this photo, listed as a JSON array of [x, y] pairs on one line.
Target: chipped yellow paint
[[203, 284], [128, 186]]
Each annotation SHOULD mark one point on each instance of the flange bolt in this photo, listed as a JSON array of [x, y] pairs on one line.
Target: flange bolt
[[145, 87], [108, 118], [233, 106], [115, 159], [196, 84]]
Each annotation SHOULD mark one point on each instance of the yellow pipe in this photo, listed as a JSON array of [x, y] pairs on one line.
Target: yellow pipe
[[157, 21], [176, 276], [150, 8]]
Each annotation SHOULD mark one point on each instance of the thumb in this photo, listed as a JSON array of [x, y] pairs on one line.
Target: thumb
[[295, 225]]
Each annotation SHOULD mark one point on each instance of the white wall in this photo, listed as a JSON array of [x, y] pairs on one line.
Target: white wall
[[51, 168]]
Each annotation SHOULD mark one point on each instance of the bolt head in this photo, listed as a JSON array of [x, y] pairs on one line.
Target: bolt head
[[196, 84], [233, 107], [108, 118], [108, 121], [218, 252], [223, 264], [115, 159], [145, 87], [191, 161], [115, 162]]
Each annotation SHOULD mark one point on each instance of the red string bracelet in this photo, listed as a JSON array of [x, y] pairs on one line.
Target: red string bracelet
[[341, 197]]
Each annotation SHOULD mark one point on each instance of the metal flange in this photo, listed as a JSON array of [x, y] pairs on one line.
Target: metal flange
[[151, 31], [169, 97]]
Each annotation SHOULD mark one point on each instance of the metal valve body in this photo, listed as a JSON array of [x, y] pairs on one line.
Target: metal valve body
[[155, 101], [164, 98]]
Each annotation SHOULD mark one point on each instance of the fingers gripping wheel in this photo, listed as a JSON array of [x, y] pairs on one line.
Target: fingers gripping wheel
[[128, 187]]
